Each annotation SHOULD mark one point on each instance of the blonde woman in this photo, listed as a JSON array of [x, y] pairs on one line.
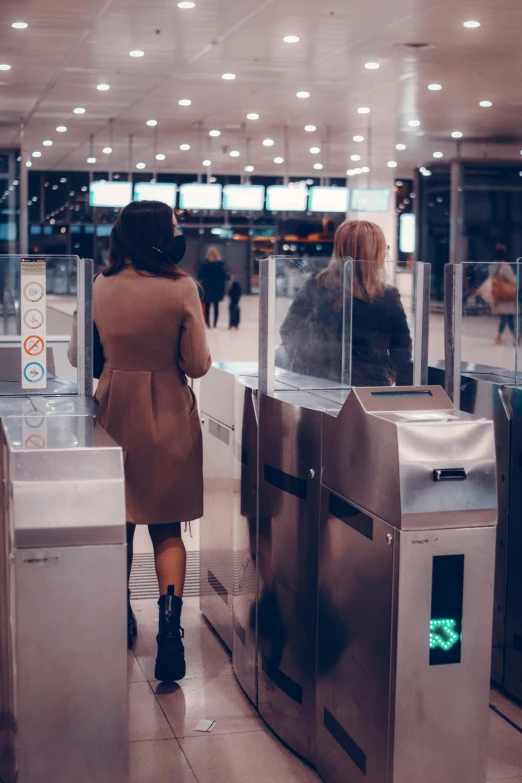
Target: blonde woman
[[312, 332], [213, 277]]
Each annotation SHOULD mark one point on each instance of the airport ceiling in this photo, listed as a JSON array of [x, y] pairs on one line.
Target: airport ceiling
[[71, 46]]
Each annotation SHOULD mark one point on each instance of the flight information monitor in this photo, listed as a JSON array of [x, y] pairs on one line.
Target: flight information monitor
[[200, 196], [285, 198], [244, 197], [156, 191], [370, 200], [323, 199], [110, 194]]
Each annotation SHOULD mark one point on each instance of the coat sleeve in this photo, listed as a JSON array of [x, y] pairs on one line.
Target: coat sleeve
[[194, 355], [72, 350], [506, 273], [400, 341]]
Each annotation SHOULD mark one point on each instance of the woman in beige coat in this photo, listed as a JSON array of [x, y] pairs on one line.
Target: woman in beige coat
[[149, 319]]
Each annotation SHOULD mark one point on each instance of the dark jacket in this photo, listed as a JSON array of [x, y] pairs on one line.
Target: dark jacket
[[312, 337], [234, 293], [213, 277]]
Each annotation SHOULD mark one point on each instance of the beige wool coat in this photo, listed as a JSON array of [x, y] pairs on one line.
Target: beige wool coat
[[153, 337]]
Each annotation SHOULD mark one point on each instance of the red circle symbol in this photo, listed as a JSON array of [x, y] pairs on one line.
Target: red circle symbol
[[34, 345], [35, 442]]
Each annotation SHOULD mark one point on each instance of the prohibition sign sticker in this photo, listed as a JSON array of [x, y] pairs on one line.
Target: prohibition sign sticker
[[34, 345], [35, 441]]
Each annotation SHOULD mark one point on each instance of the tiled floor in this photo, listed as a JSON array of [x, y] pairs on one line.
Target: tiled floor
[[166, 748]]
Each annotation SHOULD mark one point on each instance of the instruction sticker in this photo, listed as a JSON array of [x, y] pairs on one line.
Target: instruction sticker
[[33, 312], [34, 432]]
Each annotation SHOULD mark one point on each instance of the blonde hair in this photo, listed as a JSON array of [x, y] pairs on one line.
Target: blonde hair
[[365, 244], [213, 254]]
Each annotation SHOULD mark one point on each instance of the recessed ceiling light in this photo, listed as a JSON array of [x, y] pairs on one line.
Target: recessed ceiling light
[[355, 157], [486, 104], [253, 116], [363, 110], [438, 154], [358, 138], [365, 170], [457, 134], [152, 123], [372, 66], [214, 133], [61, 129], [400, 147], [357, 171], [5, 67], [91, 160], [279, 160], [207, 162], [315, 150], [36, 154], [471, 25], [79, 110], [20, 25], [310, 128], [28, 163], [184, 147], [303, 94], [235, 153], [268, 142], [434, 87], [186, 4], [350, 173], [414, 123], [228, 77], [392, 164], [103, 87], [160, 156], [137, 53], [141, 165], [47, 143], [107, 150], [318, 166], [250, 169], [185, 102], [291, 39]]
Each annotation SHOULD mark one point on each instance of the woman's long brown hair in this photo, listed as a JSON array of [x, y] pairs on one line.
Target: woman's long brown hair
[[365, 244]]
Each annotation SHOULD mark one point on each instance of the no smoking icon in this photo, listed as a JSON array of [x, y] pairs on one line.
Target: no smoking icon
[[35, 442], [34, 345]]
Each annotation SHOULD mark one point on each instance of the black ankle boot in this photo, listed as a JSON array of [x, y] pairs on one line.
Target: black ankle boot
[[170, 663], [132, 625]]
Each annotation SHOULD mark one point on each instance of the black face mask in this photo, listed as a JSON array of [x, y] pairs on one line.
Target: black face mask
[[176, 252]]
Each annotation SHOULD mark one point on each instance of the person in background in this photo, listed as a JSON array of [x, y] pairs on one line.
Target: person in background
[[312, 332], [213, 277], [234, 310], [148, 316], [504, 294]]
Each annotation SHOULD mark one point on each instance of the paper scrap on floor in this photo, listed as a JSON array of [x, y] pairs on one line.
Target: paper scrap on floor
[[205, 725]]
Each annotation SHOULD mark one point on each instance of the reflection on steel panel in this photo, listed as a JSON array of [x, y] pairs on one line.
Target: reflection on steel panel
[[513, 660]]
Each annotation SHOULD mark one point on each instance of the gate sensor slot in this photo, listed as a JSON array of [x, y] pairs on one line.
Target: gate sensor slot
[[450, 474]]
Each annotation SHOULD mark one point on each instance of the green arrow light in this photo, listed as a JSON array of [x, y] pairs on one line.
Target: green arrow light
[[443, 634]]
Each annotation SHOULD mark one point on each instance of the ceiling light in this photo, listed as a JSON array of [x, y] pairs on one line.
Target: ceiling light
[[372, 66], [471, 25], [315, 150], [61, 129], [137, 53], [5, 67], [152, 123], [438, 154], [365, 170], [207, 162], [91, 160], [425, 172], [357, 171], [103, 87], [37, 154], [228, 77], [28, 164], [184, 147], [79, 110], [268, 142], [47, 143], [250, 169], [355, 157], [392, 164], [291, 39], [434, 87], [107, 150], [303, 94], [350, 173], [318, 166], [252, 116], [400, 147], [185, 102], [186, 4], [160, 156], [20, 25], [363, 110], [358, 138], [235, 153], [486, 104], [414, 123], [141, 165], [310, 128], [457, 134], [214, 133], [279, 160]]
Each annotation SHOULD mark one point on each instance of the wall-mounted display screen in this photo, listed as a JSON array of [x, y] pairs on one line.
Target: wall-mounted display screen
[[200, 196], [156, 191], [286, 198], [370, 200], [244, 197], [407, 233], [324, 199], [110, 194]]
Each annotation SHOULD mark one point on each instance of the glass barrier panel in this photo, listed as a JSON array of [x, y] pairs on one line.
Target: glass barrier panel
[[36, 323]]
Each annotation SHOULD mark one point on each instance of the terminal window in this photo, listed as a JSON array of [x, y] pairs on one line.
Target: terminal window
[[447, 600]]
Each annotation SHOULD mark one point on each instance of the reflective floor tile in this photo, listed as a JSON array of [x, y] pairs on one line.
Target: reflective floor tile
[[134, 671], [146, 720], [509, 708], [159, 761], [505, 750]]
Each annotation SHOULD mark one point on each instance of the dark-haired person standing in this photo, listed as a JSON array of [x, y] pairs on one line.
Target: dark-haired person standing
[[148, 315]]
